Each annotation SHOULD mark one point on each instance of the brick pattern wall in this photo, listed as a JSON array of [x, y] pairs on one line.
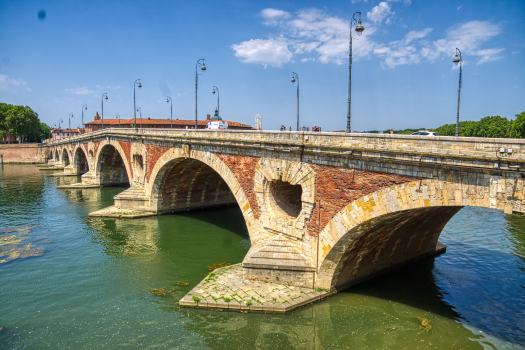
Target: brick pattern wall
[[191, 184], [244, 169], [337, 187], [126, 147], [25, 153], [154, 153]]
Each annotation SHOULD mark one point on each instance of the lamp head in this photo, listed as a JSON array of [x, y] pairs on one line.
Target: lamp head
[[106, 97], [203, 68], [293, 79], [140, 85], [167, 100], [213, 92], [359, 28], [456, 60]]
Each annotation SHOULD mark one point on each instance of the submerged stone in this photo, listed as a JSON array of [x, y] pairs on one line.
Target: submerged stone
[[425, 324], [158, 291]]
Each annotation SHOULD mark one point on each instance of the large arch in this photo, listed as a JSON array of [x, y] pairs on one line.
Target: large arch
[[395, 225], [80, 160], [111, 166], [182, 180]]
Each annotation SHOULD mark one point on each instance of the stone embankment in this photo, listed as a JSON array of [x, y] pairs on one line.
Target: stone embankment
[[23, 153]]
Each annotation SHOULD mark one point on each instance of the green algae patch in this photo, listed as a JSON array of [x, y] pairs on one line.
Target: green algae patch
[[158, 291], [215, 266], [15, 246], [425, 324], [181, 283]]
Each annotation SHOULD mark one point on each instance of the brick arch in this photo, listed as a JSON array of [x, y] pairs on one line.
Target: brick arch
[[397, 224], [111, 152], [80, 159], [205, 166], [65, 158]]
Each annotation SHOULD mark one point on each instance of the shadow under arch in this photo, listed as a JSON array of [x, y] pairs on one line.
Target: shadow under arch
[[65, 157], [185, 184], [111, 168], [55, 156], [80, 161]]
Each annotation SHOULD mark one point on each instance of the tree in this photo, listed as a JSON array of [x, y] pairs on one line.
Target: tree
[[4, 108], [517, 129], [22, 121]]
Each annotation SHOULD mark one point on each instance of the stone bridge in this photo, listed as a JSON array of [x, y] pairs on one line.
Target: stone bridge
[[323, 210]]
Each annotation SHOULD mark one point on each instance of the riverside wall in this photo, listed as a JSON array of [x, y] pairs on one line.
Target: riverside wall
[[23, 153]]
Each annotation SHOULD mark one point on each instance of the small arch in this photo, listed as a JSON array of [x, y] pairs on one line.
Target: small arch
[[65, 157], [111, 167], [80, 161]]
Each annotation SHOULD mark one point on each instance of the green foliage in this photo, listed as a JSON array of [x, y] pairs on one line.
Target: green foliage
[[196, 299], [248, 303], [517, 129], [23, 122]]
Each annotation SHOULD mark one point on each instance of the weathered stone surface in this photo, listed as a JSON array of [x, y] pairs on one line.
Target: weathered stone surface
[[326, 210]]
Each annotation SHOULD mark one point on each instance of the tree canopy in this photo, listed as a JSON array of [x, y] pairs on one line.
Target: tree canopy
[[23, 122], [492, 126]]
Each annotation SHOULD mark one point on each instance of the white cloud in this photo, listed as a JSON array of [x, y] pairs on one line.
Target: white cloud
[[272, 16], [273, 52], [9, 83], [81, 91], [459, 7], [314, 35], [380, 12]]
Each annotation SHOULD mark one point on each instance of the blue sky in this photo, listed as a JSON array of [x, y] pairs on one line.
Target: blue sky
[[402, 75]]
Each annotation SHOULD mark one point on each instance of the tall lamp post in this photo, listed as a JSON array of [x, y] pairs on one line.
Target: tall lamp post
[[213, 92], [60, 120], [359, 29], [136, 83], [84, 107], [102, 103], [294, 76], [458, 59], [140, 109], [168, 99], [70, 116], [203, 68], [118, 117]]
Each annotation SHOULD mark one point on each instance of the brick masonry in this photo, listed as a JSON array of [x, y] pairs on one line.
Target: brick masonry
[[24, 153], [384, 198]]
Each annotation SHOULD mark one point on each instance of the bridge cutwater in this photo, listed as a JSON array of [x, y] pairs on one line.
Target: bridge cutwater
[[324, 211]]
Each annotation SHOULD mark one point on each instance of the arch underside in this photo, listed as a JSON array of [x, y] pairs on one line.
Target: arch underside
[[81, 161], [111, 168], [188, 184], [386, 242], [65, 157]]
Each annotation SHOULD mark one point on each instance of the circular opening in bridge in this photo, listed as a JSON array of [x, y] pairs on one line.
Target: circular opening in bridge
[[285, 199]]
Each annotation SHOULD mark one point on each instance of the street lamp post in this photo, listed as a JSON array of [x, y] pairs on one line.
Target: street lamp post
[[136, 83], [118, 117], [70, 116], [168, 99], [359, 29], [294, 76], [140, 109], [60, 120], [84, 107], [458, 59], [213, 92], [102, 103], [203, 68]]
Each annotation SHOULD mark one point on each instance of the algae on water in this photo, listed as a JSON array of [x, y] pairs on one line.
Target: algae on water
[[15, 246]]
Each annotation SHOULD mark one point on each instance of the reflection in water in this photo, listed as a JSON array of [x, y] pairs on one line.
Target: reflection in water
[[91, 288]]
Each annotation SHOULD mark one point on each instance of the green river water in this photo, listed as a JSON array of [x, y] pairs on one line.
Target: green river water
[[68, 281]]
